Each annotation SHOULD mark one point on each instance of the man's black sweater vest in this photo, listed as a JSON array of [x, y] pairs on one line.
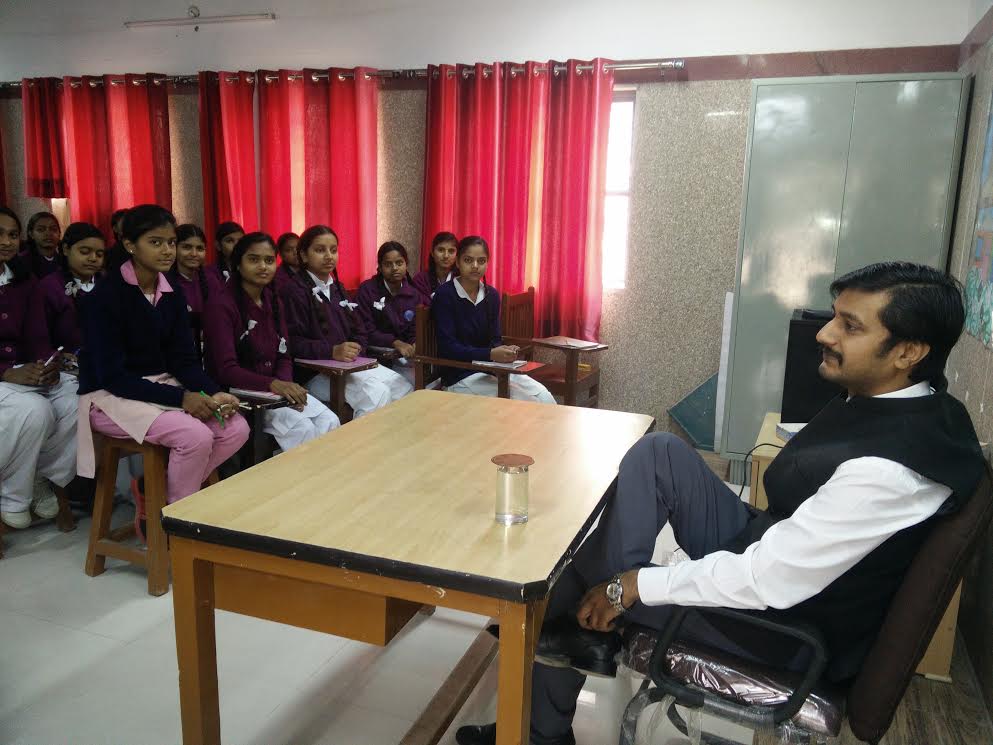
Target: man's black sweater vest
[[931, 435]]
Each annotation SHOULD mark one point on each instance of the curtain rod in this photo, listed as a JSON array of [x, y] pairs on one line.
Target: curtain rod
[[409, 74]]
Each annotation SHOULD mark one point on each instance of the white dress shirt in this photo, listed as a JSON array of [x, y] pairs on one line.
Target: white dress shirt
[[6, 276], [323, 287], [460, 291], [865, 501]]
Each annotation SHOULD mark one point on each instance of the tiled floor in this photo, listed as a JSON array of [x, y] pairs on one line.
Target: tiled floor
[[92, 661]]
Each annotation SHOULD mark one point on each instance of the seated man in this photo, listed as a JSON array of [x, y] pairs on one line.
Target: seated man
[[851, 499]]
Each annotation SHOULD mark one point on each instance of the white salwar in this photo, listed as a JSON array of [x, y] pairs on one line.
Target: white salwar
[[365, 391], [522, 388], [38, 440], [291, 427]]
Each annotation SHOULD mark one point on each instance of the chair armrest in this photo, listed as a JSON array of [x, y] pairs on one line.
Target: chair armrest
[[695, 698]]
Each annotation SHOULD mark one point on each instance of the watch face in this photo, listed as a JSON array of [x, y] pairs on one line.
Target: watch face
[[614, 591]]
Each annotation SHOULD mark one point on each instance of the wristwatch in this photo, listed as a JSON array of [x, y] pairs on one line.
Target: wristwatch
[[615, 594]]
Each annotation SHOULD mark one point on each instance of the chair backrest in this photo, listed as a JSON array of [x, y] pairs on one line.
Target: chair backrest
[[517, 315], [426, 340], [915, 613]]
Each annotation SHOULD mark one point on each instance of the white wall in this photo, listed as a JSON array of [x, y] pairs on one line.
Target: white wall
[[977, 9], [56, 37]]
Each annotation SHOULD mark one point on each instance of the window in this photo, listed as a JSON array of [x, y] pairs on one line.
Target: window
[[617, 199]]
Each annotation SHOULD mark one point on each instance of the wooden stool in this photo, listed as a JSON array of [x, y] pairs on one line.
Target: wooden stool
[[64, 520], [105, 542]]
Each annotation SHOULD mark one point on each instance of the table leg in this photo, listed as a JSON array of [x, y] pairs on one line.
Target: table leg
[[503, 386], [520, 624], [196, 649], [571, 376]]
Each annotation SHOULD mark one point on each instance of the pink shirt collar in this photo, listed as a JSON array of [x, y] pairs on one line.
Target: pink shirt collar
[[128, 273]]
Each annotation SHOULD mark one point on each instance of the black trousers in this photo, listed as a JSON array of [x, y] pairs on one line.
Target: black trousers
[[661, 480]]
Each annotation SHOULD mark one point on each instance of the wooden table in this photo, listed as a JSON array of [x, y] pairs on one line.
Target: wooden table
[[352, 533], [937, 661]]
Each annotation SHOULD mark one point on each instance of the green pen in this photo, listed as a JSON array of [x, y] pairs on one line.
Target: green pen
[[217, 414]]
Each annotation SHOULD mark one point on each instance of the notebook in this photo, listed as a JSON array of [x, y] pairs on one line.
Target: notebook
[[501, 365], [567, 341], [257, 395], [335, 364]]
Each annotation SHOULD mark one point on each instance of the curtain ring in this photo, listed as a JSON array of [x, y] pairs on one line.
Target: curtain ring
[[341, 76]]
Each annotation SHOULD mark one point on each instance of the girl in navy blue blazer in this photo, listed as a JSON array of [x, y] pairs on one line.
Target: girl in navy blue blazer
[[139, 373], [466, 313]]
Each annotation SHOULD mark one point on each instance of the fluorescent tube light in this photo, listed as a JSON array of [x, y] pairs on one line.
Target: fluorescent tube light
[[201, 20]]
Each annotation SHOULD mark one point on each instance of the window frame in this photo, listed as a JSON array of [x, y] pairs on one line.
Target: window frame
[[625, 94]]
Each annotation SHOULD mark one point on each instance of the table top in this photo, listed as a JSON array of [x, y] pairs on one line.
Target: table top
[[767, 433], [336, 367], [409, 492]]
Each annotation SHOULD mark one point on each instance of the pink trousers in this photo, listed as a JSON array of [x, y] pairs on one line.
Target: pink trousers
[[195, 448]]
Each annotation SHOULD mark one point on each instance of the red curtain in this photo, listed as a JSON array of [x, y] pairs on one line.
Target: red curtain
[[575, 170], [482, 128], [227, 151], [44, 163], [317, 151], [116, 132]]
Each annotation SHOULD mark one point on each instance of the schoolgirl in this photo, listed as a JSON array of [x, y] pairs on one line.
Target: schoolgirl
[[467, 323], [386, 304], [225, 236], [140, 376], [38, 405], [189, 275], [81, 258], [41, 249], [246, 344], [290, 260], [441, 266], [323, 324]]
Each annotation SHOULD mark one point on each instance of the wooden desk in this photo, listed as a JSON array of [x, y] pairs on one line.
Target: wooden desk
[[937, 661], [337, 374], [404, 517]]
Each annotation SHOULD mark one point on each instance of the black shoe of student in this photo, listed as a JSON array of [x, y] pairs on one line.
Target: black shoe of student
[[564, 643], [485, 734]]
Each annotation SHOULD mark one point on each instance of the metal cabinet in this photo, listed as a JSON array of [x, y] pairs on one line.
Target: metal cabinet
[[840, 172]]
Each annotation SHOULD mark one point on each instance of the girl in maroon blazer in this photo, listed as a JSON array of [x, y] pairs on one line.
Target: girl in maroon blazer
[[188, 272], [323, 325], [441, 266], [82, 252], [226, 236], [38, 405], [246, 344], [41, 249], [387, 303], [286, 246]]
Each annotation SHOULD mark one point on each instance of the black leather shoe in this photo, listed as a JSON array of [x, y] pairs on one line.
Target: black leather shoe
[[485, 734], [564, 643]]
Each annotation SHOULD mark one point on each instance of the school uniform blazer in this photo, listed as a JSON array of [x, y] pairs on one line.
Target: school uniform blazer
[[126, 338], [388, 317], [215, 279], [193, 294], [307, 339], [427, 284], [23, 334], [39, 266], [224, 328], [284, 277], [63, 302], [465, 332]]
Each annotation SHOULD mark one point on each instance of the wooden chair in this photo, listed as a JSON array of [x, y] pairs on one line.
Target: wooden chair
[[427, 361], [64, 520], [567, 381], [105, 541]]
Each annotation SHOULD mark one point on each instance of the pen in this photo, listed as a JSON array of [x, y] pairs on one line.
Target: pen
[[52, 358], [217, 414]]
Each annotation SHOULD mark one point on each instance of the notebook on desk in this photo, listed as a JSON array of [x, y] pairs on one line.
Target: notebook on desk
[[501, 365], [568, 341], [338, 365]]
